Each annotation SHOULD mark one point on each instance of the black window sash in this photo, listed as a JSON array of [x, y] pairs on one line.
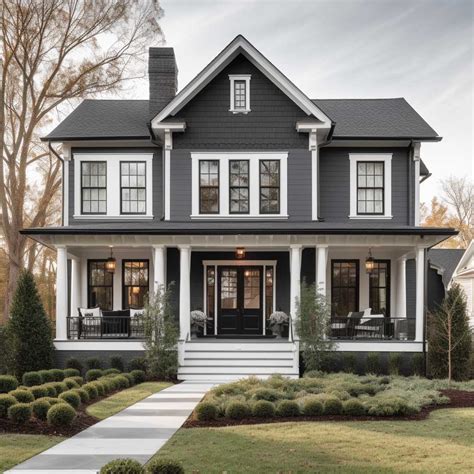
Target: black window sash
[[277, 211], [240, 94], [344, 285], [374, 285], [92, 187], [239, 187], [132, 187], [90, 286], [374, 188], [125, 287], [201, 187]]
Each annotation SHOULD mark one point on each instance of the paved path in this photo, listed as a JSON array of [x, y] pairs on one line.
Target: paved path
[[137, 432]]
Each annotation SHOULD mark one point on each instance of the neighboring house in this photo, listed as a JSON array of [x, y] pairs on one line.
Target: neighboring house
[[236, 189]]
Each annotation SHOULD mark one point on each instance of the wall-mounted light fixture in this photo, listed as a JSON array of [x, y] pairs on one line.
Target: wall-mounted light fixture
[[240, 252]]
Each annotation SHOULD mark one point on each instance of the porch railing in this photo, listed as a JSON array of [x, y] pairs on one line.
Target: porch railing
[[398, 329], [105, 327]]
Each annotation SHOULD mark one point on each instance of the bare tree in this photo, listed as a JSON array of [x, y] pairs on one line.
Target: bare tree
[[55, 52]]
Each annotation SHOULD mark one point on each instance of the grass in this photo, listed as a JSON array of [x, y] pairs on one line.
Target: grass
[[117, 402], [442, 443], [16, 448]]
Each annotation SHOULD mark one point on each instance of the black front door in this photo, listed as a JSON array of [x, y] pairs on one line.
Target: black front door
[[239, 299]]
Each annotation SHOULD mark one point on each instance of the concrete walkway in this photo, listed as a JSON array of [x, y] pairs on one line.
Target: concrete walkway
[[137, 432]]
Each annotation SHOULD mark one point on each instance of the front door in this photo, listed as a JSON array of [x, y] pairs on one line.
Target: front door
[[239, 299]]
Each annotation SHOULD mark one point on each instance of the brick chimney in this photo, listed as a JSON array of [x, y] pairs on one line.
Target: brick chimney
[[163, 78]]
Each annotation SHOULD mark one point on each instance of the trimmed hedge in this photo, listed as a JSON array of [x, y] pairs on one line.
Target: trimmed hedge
[[40, 408], [164, 466], [332, 406], [51, 390], [237, 410], [206, 411], [60, 387], [93, 363], [122, 466], [61, 414], [100, 386], [84, 396], [93, 374], [22, 396], [313, 408], [57, 374], [91, 390], [46, 376], [20, 412], [6, 401], [73, 363], [116, 362], [39, 391], [138, 375], [78, 379], [31, 378], [287, 408], [71, 372], [130, 378], [71, 383], [111, 372], [353, 407], [71, 397], [139, 363], [263, 409], [8, 383]]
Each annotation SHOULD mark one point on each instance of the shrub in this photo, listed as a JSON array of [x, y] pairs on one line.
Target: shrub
[[263, 409], [71, 383], [78, 379], [31, 378], [83, 395], [61, 414], [164, 466], [51, 390], [121, 381], [138, 363], [7, 355], [353, 407], [22, 396], [313, 407], [418, 364], [310, 374], [268, 394], [46, 376], [288, 408], [107, 384], [122, 466], [93, 363], [332, 406], [138, 375], [6, 401], [40, 408], [237, 410], [30, 328], [60, 387], [57, 374], [394, 363], [93, 374], [91, 390], [100, 386], [111, 372], [73, 363], [39, 391], [8, 383], [71, 372], [206, 411], [71, 397], [330, 362], [116, 362], [130, 378], [390, 406], [54, 401], [373, 363], [20, 412], [349, 362]]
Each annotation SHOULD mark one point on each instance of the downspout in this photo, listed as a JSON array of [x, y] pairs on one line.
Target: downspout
[[56, 154], [154, 140]]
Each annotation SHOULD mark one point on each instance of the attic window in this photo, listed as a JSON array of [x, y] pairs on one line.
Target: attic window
[[239, 93]]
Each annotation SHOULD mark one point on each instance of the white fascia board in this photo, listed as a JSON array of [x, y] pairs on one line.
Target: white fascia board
[[464, 259], [241, 45]]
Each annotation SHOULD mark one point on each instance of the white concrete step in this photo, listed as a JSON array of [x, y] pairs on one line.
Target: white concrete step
[[235, 370], [226, 377], [191, 354], [237, 345], [238, 362]]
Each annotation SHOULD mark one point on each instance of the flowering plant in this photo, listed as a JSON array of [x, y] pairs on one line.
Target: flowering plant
[[198, 318], [278, 317]]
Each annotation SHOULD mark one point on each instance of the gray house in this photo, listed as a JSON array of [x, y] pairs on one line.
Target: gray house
[[236, 188]]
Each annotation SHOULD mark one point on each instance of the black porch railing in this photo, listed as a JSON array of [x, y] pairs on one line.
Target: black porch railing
[[383, 328], [105, 327]]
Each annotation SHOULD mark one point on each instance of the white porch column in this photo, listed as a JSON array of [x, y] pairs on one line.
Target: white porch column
[[184, 291], [295, 278], [159, 267], [402, 288], [75, 286], [420, 290], [321, 264], [61, 292]]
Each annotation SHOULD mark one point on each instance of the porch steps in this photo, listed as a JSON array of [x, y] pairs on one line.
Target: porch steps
[[228, 359]]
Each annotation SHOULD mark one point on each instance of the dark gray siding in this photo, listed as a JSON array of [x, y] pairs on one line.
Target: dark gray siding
[[334, 182], [269, 125], [157, 179], [436, 291], [61, 357]]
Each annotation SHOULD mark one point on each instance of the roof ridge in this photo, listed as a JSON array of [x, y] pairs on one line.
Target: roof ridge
[[370, 98]]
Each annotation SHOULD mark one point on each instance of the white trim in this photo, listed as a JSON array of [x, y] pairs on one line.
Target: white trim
[[113, 161], [379, 346], [66, 192], [232, 79], [239, 263], [461, 267], [420, 293], [102, 345], [237, 46], [417, 161], [61, 292], [254, 184], [387, 160]]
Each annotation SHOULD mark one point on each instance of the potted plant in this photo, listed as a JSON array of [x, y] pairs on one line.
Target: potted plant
[[198, 320], [277, 320]]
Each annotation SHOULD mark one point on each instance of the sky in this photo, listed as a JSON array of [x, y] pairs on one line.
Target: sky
[[420, 50]]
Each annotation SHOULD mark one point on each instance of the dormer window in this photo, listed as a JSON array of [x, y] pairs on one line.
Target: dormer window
[[239, 93]]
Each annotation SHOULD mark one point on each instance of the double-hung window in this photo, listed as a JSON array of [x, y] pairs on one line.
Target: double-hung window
[[269, 186], [99, 285], [239, 186], [135, 283], [93, 187], [344, 287], [209, 186], [133, 187], [239, 93]]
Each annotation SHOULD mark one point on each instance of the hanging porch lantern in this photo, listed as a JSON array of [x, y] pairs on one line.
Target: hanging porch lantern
[[369, 263], [240, 252], [111, 262]]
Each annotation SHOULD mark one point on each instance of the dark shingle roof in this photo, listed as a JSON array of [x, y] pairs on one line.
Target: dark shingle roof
[[357, 118], [447, 260], [375, 118]]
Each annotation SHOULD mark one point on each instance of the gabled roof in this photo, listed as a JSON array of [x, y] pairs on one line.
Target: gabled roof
[[462, 267], [241, 45], [446, 261]]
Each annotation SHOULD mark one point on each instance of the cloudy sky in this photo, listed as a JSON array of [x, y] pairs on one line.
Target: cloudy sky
[[420, 50]]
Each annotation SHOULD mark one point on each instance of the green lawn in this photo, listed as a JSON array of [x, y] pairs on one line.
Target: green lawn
[[115, 403], [15, 448], [442, 443]]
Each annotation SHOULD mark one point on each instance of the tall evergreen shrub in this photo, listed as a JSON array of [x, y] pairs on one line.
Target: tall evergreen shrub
[[30, 328]]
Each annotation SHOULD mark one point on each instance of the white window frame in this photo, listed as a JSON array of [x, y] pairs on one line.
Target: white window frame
[[113, 161], [254, 184], [232, 79], [386, 158]]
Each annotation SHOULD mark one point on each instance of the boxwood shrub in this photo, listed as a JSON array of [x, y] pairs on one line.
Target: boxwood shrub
[[61, 414], [40, 408], [353, 407], [57, 374], [121, 381], [50, 389], [84, 396], [139, 363], [54, 401], [116, 362], [332, 406], [73, 363], [100, 386], [22, 396], [164, 466], [93, 374], [91, 390], [20, 412], [46, 376], [78, 379], [71, 397], [122, 466], [269, 394], [237, 410], [6, 401], [111, 372], [206, 411], [130, 378], [313, 408], [71, 383], [39, 391], [60, 387], [8, 383], [288, 408], [138, 375], [263, 409], [71, 372], [31, 378], [93, 363]]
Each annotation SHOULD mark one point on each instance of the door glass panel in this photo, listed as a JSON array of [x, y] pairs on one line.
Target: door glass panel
[[229, 289], [252, 288]]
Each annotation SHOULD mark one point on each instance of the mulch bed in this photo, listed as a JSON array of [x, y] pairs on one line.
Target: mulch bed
[[459, 399]]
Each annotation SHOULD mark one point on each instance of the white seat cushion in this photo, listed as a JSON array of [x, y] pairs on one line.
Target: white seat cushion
[[89, 315], [137, 312]]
